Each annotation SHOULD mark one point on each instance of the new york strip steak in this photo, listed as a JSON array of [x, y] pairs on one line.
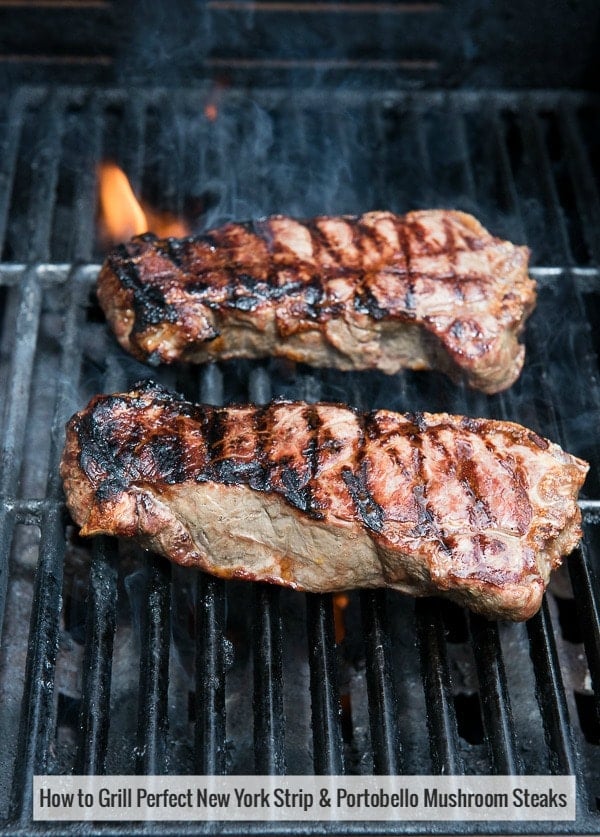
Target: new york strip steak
[[321, 497], [428, 290]]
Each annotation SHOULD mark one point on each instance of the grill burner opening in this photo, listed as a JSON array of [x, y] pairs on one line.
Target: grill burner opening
[[126, 664]]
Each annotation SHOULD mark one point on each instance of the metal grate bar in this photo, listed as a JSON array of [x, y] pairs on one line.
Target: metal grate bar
[[376, 118], [8, 159], [375, 7], [416, 121], [585, 590], [210, 676], [533, 139], [69, 372], [577, 354], [167, 173], [37, 714], [505, 169], [211, 387], [583, 180], [29, 303], [383, 703], [269, 727], [153, 718], [132, 142], [97, 661], [84, 201], [7, 527], [550, 692], [326, 712], [43, 185], [437, 682], [457, 126], [495, 702]]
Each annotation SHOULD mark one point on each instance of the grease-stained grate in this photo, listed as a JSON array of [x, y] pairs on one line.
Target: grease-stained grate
[[125, 664]]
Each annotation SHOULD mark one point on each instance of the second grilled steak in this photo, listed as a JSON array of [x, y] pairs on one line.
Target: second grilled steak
[[323, 498], [428, 290]]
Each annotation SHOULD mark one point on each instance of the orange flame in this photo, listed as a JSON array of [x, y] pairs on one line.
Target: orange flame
[[211, 111], [340, 603], [212, 104], [122, 215]]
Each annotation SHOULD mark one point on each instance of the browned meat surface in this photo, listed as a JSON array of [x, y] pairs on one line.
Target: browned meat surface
[[320, 497], [428, 290]]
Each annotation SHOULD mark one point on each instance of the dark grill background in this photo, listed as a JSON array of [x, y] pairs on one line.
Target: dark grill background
[[132, 665]]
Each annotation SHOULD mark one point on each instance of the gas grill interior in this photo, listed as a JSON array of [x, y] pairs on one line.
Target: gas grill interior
[[114, 661]]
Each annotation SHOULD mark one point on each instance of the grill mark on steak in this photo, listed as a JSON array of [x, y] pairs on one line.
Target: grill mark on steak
[[365, 302], [320, 240], [419, 234], [418, 419], [369, 511], [291, 468], [311, 452], [239, 462], [167, 458], [213, 427], [520, 508], [260, 480], [149, 303], [428, 525], [314, 299], [243, 291], [452, 250], [100, 457], [296, 492], [410, 299], [173, 249], [480, 512]]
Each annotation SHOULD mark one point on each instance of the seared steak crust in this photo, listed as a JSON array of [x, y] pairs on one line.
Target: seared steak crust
[[321, 497], [430, 289]]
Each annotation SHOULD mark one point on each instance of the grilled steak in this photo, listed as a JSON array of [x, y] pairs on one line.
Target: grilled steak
[[320, 497], [429, 290]]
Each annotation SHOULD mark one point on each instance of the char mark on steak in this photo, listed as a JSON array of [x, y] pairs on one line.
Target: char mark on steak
[[428, 290], [320, 497]]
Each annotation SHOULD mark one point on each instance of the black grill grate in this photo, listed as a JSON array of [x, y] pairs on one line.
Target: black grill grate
[[133, 665]]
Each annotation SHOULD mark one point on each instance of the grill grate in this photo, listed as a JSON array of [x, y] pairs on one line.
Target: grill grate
[[164, 671]]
